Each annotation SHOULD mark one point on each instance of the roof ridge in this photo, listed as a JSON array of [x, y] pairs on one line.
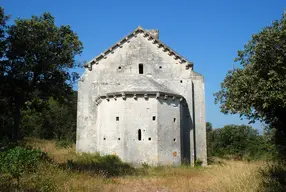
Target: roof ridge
[[127, 38]]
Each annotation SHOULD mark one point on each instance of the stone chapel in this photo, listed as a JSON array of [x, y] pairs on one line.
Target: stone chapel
[[142, 101]]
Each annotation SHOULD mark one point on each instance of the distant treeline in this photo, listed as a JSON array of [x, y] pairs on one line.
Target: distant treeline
[[239, 142]]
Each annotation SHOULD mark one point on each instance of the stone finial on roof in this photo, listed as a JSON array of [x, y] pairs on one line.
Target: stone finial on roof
[[154, 32]]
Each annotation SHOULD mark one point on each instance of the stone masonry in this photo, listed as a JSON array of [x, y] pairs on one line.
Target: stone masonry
[[142, 101]]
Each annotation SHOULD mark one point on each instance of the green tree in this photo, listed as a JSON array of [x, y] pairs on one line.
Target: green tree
[[35, 64], [57, 120], [209, 130], [237, 141], [209, 126], [256, 90], [5, 113]]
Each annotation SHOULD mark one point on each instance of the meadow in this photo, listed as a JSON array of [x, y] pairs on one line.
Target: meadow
[[67, 171]]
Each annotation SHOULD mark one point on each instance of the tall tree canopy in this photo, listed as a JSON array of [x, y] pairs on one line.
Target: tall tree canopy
[[36, 56], [256, 90]]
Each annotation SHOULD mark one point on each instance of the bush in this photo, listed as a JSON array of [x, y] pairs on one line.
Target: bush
[[6, 182], [237, 142], [54, 120], [274, 177], [198, 163], [64, 143], [4, 143], [107, 165], [18, 160]]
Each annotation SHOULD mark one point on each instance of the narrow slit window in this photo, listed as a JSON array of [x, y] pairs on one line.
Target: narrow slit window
[[139, 134], [141, 68], [117, 118], [154, 118], [174, 119]]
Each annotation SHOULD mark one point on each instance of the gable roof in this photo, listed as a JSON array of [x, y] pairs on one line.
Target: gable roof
[[148, 35]]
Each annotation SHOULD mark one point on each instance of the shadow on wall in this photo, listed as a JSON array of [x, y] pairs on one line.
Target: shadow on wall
[[186, 125]]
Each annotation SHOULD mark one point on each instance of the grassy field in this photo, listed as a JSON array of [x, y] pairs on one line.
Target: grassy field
[[224, 176]]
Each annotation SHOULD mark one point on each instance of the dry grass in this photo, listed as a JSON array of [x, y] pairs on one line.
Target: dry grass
[[230, 176], [60, 155]]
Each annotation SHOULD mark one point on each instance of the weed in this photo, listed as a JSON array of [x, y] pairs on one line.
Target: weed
[[64, 143], [198, 163], [107, 165]]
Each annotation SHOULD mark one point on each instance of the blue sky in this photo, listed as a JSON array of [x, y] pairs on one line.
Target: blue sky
[[207, 32]]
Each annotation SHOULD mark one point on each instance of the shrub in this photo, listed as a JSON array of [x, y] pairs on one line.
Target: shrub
[[237, 142], [198, 163], [4, 143], [64, 143], [107, 165], [274, 177], [6, 182], [18, 160]]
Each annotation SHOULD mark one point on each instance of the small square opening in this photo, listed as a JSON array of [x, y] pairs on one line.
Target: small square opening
[[149, 138], [117, 118], [154, 118], [181, 81]]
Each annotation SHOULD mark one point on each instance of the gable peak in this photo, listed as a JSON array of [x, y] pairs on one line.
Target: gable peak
[[151, 34]]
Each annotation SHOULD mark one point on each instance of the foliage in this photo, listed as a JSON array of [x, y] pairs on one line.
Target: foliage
[[34, 66], [18, 160], [107, 165], [237, 141], [274, 177], [209, 127], [229, 176], [209, 130], [5, 114], [55, 121], [198, 163], [64, 143], [257, 89]]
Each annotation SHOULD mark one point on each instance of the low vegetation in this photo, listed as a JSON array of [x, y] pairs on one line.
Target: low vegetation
[[239, 142], [48, 167]]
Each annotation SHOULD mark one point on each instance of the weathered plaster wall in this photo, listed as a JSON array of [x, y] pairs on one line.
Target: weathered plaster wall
[[86, 115], [116, 72], [199, 119], [133, 114], [169, 141]]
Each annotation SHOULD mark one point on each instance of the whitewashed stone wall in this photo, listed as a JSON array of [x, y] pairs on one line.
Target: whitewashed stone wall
[[118, 71]]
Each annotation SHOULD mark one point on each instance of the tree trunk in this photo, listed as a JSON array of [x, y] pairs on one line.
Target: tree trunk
[[280, 135], [16, 118]]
